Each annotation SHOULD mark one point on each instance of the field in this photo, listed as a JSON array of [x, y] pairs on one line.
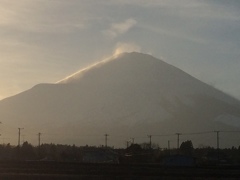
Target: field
[[68, 171]]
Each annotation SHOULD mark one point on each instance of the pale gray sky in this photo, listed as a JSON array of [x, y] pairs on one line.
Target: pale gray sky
[[43, 41]]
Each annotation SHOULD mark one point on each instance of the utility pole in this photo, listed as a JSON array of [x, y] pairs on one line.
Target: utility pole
[[39, 143], [150, 141], [106, 139], [217, 144], [169, 148], [39, 139], [19, 135], [217, 138], [178, 134]]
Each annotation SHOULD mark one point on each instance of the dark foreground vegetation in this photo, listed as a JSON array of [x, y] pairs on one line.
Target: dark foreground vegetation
[[50, 161], [135, 153], [68, 170]]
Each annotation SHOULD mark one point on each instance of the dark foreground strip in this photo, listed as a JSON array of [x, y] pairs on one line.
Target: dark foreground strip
[[68, 171]]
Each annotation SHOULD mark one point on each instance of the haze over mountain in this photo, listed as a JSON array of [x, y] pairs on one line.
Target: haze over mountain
[[129, 95]]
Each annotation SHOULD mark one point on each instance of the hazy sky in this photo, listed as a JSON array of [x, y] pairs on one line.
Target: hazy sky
[[43, 41]]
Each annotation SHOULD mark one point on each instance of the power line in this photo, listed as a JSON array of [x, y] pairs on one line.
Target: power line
[[140, 137], [186, 134], [230, 131], [163, 135], [197, 133]]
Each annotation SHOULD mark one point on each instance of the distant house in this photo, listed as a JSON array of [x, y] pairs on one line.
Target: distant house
[[100, 155], [179, 160]]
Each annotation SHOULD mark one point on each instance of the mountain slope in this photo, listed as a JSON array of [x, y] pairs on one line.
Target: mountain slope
[[130, 95]]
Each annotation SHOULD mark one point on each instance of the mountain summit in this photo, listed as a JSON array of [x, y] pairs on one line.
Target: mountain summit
[[129, 95]]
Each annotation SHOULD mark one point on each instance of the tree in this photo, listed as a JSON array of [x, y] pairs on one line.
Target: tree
[[27, 151], [186, 147], [134, 149]]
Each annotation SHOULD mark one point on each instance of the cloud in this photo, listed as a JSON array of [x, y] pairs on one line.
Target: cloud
[[41, 16], [174, 33], [161, 3], [122, 47], [214, 9], [117, 29]]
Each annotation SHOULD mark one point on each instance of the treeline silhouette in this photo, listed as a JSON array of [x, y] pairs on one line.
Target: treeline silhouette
[[135, 153], [47, 152]]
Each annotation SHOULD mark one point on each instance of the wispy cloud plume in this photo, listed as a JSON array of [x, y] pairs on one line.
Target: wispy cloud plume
[[117, 29], [122, 47]]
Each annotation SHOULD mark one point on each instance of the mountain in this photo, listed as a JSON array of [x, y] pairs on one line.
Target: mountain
[[129, 95]]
